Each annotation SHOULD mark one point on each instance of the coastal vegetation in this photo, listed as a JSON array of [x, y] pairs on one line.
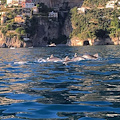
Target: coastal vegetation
[[95, 23], [94, 3], [28, 28], [3, 2]]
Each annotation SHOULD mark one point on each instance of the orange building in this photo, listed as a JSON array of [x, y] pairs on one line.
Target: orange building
[[19, 19]]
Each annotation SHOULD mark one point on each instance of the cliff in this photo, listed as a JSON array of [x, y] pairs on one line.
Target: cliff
[[60, 3], [47, 30], [57, 29], [12, 42]]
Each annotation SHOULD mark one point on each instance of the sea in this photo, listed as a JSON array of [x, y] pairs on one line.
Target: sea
[[33, 89]]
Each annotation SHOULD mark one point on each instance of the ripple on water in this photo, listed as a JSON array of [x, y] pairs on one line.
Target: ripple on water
[[36, 89]]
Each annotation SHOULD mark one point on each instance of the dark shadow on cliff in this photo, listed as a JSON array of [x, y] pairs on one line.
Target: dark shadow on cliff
[[102, 33], [62, 39], [103, 37]]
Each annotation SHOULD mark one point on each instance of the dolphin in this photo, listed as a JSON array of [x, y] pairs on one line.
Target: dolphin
[[77, 58], [53, 59], [67, 60], [91, 57]]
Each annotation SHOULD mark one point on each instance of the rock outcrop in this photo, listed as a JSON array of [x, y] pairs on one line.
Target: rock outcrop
[[67, 27], [59, 3], [12, 42], [75, 41], [49, 29], [46, 31]]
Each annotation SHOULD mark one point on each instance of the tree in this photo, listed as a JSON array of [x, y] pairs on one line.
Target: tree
[[23, 32], [18, 30], [3, 2], [4, 31], [8, 26]]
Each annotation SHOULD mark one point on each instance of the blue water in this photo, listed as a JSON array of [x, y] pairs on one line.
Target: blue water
[[84, 90]]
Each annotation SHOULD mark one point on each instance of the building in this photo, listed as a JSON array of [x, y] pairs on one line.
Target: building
[[19, 19], [27, 4], [81, 10], [9, 1], [53, 14], [27, 12], [35, 10], [2, 13], [19, 2], [14, 1], [3, 19], [46, 2], [111, 4]]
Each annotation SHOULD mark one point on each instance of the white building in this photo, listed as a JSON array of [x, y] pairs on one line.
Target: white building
[[2, 13], [9, 1], [26, 39], [53, 14], [3, 19], [35, 10], [119, 17], [81, 10], [27, 5], [111, 4], [15, 1]]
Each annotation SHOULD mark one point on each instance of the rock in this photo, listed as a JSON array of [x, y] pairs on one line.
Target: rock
[[105, 41], [46, 30], [60, 3], [3, 45]]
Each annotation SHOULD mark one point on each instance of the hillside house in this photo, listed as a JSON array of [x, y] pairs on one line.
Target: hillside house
[[111, 4], [118, 5], [9, 1], [35, 10], [26, 11], [3, 19], [81, 10], [53, 15], [2, 13], [14, 2], [18, 2], [119, 17], [19, 19], [27, 4]]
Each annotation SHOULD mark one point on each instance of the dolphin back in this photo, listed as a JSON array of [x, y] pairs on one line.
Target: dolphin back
[[96, 55]]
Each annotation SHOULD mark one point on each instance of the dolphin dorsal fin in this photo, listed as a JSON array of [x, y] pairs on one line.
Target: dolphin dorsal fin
[[66, 58], [51, 56], [75, 55], [96, 55]]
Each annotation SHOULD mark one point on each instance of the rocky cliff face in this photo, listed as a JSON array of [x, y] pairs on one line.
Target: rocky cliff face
[[75, 41], [47, 30], [59, 3], [67, 27], [12, 42]]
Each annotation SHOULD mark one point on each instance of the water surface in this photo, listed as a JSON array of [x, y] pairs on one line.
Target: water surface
[[84, 90]]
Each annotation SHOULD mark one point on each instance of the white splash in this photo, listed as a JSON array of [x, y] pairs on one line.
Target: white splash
[[21, 62]]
